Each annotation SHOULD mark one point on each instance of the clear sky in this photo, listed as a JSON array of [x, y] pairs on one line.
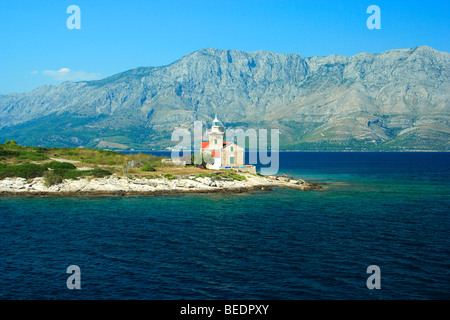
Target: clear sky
[[37, 48]]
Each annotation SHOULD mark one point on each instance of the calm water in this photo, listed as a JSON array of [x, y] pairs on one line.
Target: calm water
[[387, 209]]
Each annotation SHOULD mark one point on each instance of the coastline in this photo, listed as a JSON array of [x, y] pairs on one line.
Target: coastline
[[120, 186]]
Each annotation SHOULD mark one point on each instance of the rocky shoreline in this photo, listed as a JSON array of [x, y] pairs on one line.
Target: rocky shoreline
[[120, 186]]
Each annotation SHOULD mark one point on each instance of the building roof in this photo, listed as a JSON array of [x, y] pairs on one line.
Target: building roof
[[227, 143], [205, 145]]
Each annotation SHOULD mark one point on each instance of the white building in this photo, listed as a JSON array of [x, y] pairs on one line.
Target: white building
[[225, 154]]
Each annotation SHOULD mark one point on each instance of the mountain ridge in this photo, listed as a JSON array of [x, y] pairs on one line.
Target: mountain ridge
[[394, 100]]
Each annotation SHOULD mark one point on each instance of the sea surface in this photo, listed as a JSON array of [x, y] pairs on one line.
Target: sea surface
[[386, 209]]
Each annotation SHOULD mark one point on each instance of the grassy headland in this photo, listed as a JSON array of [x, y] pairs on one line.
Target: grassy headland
[[57, 164]]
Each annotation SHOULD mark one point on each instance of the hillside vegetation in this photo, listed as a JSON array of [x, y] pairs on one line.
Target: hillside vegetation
[[57, 164]]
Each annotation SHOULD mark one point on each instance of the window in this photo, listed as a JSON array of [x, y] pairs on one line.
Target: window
[[215, 141], [231, 149]]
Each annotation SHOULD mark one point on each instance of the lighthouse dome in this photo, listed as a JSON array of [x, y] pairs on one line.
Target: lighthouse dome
[[216, 122]]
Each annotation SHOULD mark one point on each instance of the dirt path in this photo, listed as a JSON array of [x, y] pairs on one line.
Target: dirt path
[[64, 160]]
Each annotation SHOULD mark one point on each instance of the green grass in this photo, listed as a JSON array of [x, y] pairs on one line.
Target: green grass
[[59, 165], [223, 175], [31, 162], [152, 161], [15, 154], [9, 153], [35, 156], [234, 176], [23, 155], [148, 167]]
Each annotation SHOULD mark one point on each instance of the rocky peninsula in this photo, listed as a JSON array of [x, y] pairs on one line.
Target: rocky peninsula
[[36, 171], [120, 186]]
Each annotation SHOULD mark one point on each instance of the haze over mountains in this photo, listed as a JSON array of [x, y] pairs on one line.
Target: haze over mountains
[[394, 100]]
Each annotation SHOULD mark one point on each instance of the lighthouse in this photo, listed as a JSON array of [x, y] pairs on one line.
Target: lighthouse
[[225, 154], [216, 143]]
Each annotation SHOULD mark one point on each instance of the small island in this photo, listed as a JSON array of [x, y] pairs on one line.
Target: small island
[[37, 171]]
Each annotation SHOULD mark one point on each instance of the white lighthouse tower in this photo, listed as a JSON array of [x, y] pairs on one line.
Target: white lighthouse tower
[[216, 143]]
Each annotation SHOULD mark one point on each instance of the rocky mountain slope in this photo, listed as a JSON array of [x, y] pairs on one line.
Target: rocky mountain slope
[[394, 100]]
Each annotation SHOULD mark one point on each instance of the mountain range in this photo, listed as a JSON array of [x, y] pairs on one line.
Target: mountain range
[[394, 100]]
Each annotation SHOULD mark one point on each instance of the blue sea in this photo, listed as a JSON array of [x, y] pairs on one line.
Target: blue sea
[[386, 209]]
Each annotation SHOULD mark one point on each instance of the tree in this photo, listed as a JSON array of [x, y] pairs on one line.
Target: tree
[[206, 159], [11, 143]]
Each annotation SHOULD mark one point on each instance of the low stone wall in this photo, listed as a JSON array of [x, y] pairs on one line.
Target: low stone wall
[[175, 162], [247, 168]]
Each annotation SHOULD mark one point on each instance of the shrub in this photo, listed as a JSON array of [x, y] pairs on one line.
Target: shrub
[[97, 173], [41, 150], [71, 174], [52, 177], [169, 176], [148, 168], [206, 158], [234, 176], [27, 171], [59, 165], [238, 177]]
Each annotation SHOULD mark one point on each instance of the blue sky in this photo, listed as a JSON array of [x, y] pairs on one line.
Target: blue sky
[[37, 47]]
